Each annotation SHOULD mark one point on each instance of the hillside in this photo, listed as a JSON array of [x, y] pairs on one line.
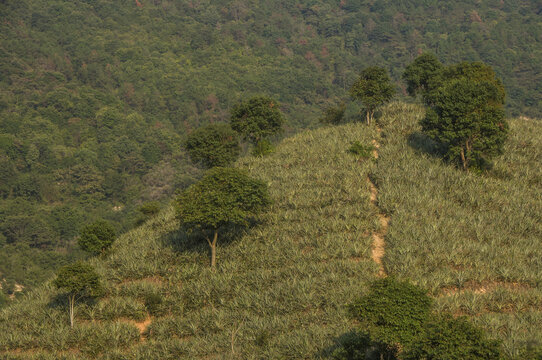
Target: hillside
[[96, 97], [281, 289]]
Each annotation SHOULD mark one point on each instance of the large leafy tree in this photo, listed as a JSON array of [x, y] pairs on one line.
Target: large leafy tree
[[224, 197], [257, 118], [466, 115], [373, 88], [423, 76], [78, 280], [213, 145]]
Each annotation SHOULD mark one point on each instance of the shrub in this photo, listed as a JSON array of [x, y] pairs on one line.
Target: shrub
[[452, 339], [393, 314], [97, 237], [359, 149], [257, 119], [213, 145], [333, 114], [147, 211], [263, 148]]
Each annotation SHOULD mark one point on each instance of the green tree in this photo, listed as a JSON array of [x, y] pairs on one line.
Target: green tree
[[213, 145], [423, 76], [373, 88], [392, 314], [78, 280], [257, 119], [97, 237], [446, 338], [333, 114], [467, 119], [224, 197]]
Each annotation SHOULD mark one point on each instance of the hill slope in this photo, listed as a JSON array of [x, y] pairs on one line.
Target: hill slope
[[96, 96], [280, 289]]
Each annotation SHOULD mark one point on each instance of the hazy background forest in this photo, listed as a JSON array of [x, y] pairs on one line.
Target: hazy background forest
[[97, 96]]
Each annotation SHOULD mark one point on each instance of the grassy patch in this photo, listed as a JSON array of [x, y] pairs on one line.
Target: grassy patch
[[473, 240]]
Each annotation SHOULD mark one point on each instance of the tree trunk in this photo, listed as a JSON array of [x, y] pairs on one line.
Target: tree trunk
[[368, 117], [465, 154], [212, 244], [71, 300], [464, 160]]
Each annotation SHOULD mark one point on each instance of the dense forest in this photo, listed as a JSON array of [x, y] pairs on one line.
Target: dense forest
[[97, 96]]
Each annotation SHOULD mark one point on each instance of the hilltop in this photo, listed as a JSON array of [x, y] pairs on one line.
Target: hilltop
[[281, 289]]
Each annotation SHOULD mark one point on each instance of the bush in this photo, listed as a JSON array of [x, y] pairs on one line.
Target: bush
[[263, 148], [396, 323], [213, 145], [147, 211], [334, 114], [393, 314], [97, 237], [257, 119], [153, 303], [359, 149], [453, 339]]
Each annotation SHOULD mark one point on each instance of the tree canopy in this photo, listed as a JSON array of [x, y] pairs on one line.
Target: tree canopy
[[396, 321], [78, 280], [257, 118], [97, 237], [373, 88], [213, 145], [224, 197], [465, 108]]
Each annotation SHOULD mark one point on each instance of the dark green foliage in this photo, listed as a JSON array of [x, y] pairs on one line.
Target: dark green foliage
[[257, 118], [150, 208], [97, 237], [465, 113], [213, 145], [373, 88], [396, 323], [224, 197], [263, 148], [147, 211], [334, 114], [353, 346], [467, 119], [446, 338], [423, 76], [393, 314], [79, 279], [362, 150], [154, 303]]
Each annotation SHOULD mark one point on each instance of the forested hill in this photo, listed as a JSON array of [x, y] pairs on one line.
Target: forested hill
[[96, 95]]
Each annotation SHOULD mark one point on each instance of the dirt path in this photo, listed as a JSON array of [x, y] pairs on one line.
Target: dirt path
[[140, 325], [378, 236]]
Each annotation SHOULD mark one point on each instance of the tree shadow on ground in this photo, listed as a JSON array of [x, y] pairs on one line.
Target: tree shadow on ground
[[424, 144], [195, 243], [351, 345]]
